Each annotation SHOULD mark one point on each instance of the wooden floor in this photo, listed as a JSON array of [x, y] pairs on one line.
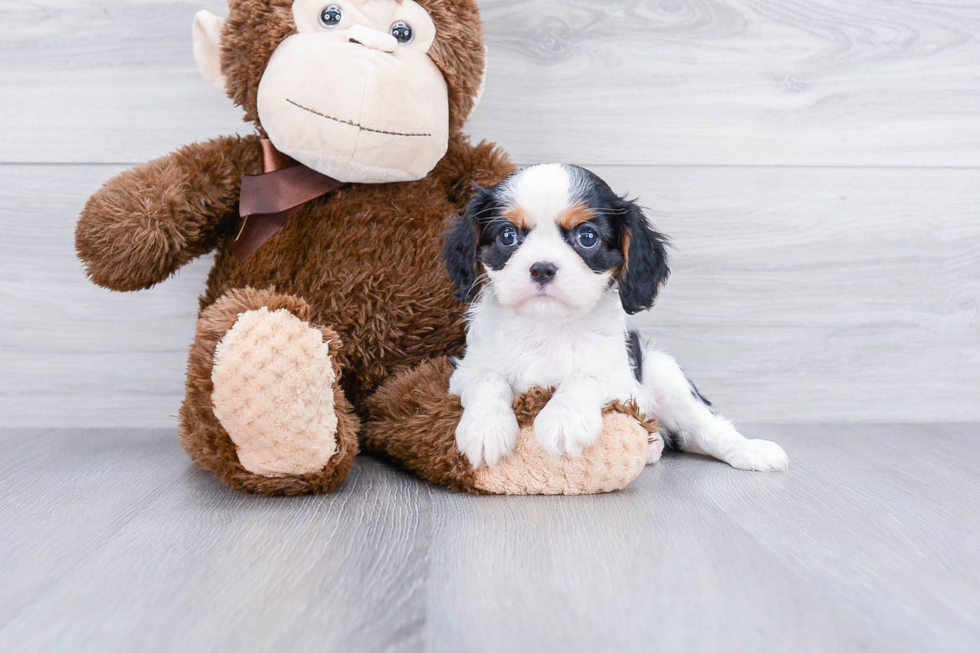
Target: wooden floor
[[111, 540]]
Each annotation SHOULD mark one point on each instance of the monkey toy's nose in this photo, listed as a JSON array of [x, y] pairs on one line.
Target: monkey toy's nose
[[372, 38], [543, 272]]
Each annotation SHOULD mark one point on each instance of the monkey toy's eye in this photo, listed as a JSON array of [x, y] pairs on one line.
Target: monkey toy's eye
[[587, 237], [402, 32], [331, 16], [507, 237]]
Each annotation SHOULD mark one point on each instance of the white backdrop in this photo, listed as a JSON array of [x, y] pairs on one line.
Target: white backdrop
[[817, 164]]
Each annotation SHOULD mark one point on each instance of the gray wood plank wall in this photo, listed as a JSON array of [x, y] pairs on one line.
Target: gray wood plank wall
[[817, 163]]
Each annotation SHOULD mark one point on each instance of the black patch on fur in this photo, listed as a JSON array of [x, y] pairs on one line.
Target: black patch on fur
[[473, 240], [459, 253], [492, 253], [697, 394], [595, 193], [621, 221], [635, 352], [641, 270], [462, 241], [646, 269], [670, 438], [608, 254]]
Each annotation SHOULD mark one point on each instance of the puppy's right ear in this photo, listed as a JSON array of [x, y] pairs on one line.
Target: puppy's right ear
[[461, 247]]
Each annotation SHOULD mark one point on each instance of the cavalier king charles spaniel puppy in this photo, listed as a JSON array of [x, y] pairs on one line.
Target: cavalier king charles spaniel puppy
[[552, 262]]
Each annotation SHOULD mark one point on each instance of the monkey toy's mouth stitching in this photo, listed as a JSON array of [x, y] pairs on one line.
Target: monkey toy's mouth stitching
[[352, 123]]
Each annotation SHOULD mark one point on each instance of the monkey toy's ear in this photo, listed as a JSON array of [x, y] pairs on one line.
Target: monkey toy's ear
[[646, 268], [207, 47], [460, 251]]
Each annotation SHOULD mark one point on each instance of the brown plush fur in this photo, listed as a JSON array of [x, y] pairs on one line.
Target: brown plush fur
[[147, 222], [364, 261], [252, 32], [367, 259], [413, 422], [202, 435], [460, 29]]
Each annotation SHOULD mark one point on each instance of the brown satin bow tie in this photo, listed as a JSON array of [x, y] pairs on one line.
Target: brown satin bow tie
[[269, 200]]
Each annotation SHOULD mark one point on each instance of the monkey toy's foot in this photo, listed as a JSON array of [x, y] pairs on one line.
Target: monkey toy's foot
[[264, 411], [272, 392]]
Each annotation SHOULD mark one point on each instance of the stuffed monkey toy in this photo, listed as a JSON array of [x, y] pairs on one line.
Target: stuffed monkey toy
[[328, 313]]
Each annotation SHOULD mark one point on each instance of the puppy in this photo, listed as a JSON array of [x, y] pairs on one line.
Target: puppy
[[552, 262]]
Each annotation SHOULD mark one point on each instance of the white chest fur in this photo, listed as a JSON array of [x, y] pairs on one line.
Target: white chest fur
[[529, 352]]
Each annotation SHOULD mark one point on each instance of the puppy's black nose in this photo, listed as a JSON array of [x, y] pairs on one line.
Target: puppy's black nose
[[543, 272]]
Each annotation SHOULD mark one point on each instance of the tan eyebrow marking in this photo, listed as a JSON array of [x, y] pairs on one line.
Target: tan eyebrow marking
[[518, 216], [574, 215]]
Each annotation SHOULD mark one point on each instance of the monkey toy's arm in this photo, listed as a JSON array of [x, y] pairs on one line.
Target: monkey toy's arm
[[147, 222]]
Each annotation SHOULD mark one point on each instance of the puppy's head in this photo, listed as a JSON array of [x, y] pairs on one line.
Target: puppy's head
[[553, 240]]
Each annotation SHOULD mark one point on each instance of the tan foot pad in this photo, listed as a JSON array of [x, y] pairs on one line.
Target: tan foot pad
[[610, 464], [273, 393], [414, 418]]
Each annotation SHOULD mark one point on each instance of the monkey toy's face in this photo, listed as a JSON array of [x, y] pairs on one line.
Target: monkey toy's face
[[354, 94], [350, 91]]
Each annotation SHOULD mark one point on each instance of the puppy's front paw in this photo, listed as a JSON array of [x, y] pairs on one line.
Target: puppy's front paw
[[758, 456], [487, 433], [655, 449], [564, 427]]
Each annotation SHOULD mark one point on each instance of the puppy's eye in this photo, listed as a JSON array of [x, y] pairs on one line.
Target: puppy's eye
[[587, 238], [402, 32], [507, 237], [331, 16]]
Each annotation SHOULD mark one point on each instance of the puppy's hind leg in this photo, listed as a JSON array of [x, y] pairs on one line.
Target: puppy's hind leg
[[691, 422]]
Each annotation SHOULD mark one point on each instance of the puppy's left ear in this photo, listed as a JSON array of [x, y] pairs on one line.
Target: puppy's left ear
[[461, 246], [646, 268]]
